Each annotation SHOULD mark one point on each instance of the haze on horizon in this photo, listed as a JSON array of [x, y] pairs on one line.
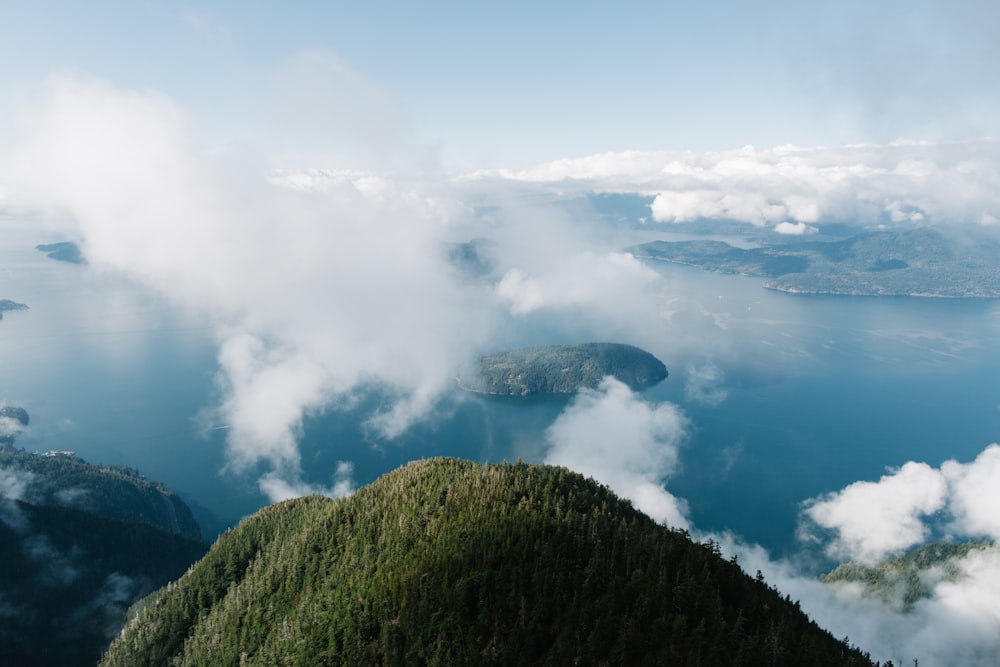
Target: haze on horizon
[[187, 148]]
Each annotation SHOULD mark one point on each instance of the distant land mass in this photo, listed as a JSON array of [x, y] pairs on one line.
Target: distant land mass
[[448, 562], [64, 251], [901, 581], [116, 492], [79, 544], [564, 369], [475, 258], [7, 304], [13, 420], [918, 262]]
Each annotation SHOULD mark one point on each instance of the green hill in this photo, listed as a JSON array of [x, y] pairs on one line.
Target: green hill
[[445, 562], [902, 580], [564, 369]]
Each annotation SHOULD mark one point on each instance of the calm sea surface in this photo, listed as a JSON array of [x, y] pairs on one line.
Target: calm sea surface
[[811, 393]]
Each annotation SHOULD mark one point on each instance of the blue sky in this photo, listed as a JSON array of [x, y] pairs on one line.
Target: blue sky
[[517, 83]]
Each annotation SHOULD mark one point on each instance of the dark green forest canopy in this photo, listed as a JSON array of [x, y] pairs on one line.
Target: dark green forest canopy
[[79, 543], [67, 578], [448, 562], [564, 369]]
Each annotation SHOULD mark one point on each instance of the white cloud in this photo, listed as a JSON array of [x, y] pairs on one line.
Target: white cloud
[[705, 383], [975, 494], [901, 183], [873, 519], [10, 427], [314, 294], [617, 438], [955, 626], [958, 622], [587, 279], [319, 286], [909, 506], [279, 487], [14, 483], [794, 228]]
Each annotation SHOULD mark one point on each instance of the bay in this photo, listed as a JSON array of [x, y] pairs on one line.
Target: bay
[[807, 393]]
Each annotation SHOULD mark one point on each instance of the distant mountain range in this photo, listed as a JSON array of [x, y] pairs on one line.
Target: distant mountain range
[[916, 262], [563, 369], [447, 562]]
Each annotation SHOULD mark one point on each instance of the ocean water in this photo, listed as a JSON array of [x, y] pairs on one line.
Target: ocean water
[[806, 395]]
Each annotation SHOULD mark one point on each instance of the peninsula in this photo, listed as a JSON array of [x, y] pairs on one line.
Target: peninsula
[[917, 262]]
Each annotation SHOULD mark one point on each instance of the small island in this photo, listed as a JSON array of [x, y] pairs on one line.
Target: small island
[[7, 304], [564, 369], [64, 251], [917, 262]]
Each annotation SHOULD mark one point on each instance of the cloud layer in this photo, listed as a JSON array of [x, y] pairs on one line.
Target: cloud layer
[[956, 623], [320, 286], [619, 439], [906, 182], [907, 506]]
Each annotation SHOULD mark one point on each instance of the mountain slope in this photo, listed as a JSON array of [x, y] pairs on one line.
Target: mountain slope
[[67, 578], [451, 562], [64, 480], [79, 544]]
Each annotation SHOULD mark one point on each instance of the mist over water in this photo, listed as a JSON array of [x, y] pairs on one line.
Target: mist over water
[[788, 397]]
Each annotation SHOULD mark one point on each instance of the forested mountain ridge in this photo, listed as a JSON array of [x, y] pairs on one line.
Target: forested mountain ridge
[[67, 578], [62, 479], [564, 369], [452, 562], [78, 545]]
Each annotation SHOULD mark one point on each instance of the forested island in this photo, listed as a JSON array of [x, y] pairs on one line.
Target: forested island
[[7, 305], [563, 369], [64, 251], [917, 262], [79, 543], [447, 562]]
